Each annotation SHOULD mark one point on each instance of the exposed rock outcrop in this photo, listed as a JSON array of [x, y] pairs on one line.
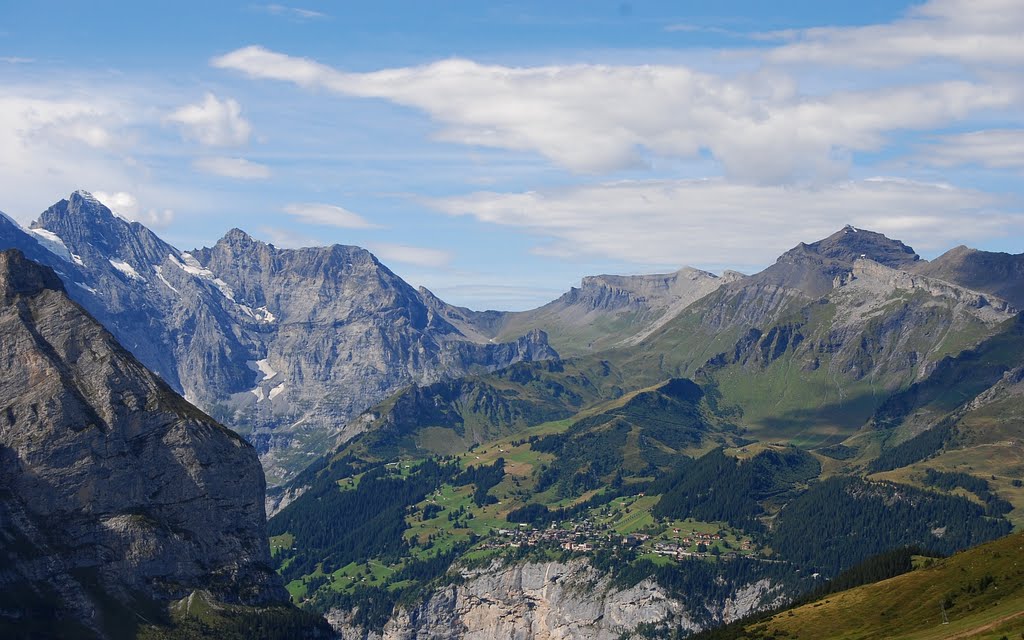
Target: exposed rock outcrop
[[999, 274], [549, 601], [112, 487], [608, 310], [285, 346]]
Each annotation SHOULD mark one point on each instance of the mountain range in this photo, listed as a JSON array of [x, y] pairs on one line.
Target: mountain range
[[285, 345], [847, 399]]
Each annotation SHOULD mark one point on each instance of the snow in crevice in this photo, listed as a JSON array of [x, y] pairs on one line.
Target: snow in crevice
[[160, 274], [190, 265], [127, 269], [264, 372], [55, 245], [261, 314], [263, 367], [86, 287]]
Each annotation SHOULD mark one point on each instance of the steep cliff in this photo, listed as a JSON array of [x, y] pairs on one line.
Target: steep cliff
[[999, 274], [553, 600], [117, 496], [609, 310], [285, 346]]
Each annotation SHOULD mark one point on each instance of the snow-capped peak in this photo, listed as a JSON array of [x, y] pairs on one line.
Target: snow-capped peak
[[85, 195]]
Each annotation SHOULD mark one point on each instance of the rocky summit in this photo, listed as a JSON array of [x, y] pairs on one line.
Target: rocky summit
[[117, 497], [286, 346]]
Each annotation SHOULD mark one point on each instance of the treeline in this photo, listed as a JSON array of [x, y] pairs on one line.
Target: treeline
[[702, 585], [921, 446], [269, 623], [373, 606], [593, 448], [717, 487], [484, 478], [335, 527], [875, 569], [949, 480], [842, 521], [540, 515]]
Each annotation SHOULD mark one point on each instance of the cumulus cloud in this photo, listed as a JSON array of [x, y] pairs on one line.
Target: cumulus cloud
[[213, 122], [126, 205], [36, 121], [327, 214], [53, 141], [597, 118], [239, 168], [993, 148], [970, 31], [418, 256], [122, 203], [702, 222]]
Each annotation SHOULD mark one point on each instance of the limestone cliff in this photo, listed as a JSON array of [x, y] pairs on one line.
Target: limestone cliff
[[606, 311], [552, 601], [116, 495]]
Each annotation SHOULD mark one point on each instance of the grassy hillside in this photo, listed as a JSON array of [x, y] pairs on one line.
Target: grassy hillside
[[981, 591]]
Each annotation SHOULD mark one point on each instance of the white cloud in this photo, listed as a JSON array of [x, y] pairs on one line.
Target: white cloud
[[970, 31], [296, 13], [288, 239], [993, 148], [419, 256], [120, 202], [157, 218], [711, 222], [213, 122], [596, 118], [126, 205], [53, 141], [239, 168], [35, 121], [327, 214]]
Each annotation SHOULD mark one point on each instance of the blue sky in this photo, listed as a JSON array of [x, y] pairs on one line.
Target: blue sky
[[497, 152]]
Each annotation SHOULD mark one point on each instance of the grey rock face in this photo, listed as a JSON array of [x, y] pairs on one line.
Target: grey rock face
[[339, 332], [111, 485], [999, 274], [608, 310], [549, 600], [285, 346]]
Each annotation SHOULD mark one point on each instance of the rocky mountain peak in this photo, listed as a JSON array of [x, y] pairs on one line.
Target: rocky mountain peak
[[19, 276], [850, 243], [86, 227], [814, 269], [80, 206], [997, 273], [239, 239]]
